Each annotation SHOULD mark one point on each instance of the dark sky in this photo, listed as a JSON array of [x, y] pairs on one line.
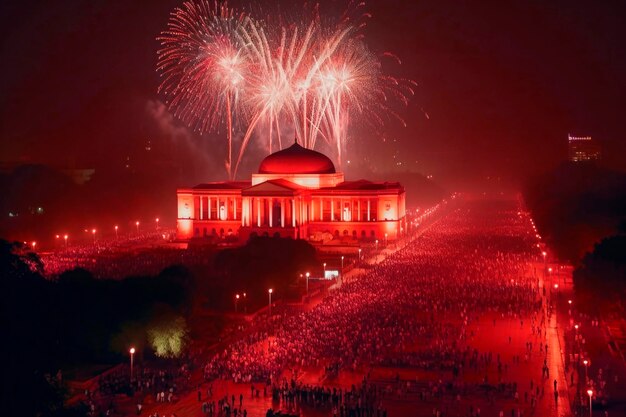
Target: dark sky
[[502, 82]]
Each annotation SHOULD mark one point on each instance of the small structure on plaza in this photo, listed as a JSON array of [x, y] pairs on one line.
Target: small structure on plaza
[[296, 193]]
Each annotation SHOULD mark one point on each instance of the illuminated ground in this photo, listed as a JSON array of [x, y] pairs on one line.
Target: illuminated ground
[[487, 332]]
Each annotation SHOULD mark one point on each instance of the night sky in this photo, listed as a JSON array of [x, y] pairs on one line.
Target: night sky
[[502, 84]]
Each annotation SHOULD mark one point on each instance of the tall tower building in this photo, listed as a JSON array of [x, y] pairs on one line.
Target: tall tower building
[[583, 149]]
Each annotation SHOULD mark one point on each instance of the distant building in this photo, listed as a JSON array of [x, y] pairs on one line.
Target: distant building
[[583, 149], [296, 193]]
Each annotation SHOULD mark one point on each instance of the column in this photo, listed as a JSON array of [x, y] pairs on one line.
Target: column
[[201, 198], [271, 210], [341, 208], [293, 212], [209, 207], [243, 214], [321, 209], [368, 210], [258, 212], [332, 209], [312, 210], [359, 208], [282, 212]]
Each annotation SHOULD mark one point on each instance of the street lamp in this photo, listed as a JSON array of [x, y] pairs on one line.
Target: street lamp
[[342, 264], [359, 254], [157, 223], [116, 232], [586, 362], [65, 238], [307, 283], [324, 269], [245, 303], [385, 239], [236, 301], [33, 244], [377, 244], [137, 225], [93, 232], [270, 291], [132, 358], [590, 394]]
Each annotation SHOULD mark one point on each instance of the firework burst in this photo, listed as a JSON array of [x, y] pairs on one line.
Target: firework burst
[[312, 77]]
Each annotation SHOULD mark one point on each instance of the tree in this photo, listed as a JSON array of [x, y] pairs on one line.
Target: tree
[[168, 333]]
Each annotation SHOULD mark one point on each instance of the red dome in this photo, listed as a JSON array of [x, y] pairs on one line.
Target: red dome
[[296, 160]]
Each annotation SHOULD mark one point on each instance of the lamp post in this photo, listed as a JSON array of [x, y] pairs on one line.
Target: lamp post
[[116, 232], [590, 394], [270, 291], [385, 239], [132, 359], [307, 282], [324, 270], [245, 303], [33, 244], [359, 254], [376, 244], [586, 362], [65, 238], [342, 265], [157, 223], [137, 225], [236, 301], [93, 232], [545, 264]]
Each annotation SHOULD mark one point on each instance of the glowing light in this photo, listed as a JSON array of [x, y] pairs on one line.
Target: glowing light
[[314, 77], [132, 351], [270, 290]]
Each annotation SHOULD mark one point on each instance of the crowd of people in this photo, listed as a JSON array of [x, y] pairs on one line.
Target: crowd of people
[[415, 309], [419, 309], [136, 255]]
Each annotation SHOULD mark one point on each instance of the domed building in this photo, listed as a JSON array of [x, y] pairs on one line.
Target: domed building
[[296, 193]]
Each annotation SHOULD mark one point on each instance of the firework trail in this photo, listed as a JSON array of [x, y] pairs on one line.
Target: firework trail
[[202, 67], [312, 76]]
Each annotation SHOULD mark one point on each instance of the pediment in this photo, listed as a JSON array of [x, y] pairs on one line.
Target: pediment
[[273, 187]]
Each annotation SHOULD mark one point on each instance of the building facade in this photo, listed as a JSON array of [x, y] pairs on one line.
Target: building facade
[[295, 193], [582, 149]]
